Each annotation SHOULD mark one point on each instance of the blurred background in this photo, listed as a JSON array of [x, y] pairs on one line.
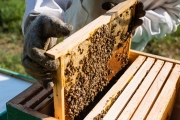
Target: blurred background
[[11, 38]]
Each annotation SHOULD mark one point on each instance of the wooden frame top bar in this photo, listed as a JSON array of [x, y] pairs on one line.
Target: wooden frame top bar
[[82, 34]]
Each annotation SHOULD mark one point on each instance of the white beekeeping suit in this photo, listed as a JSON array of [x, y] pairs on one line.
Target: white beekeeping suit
[[162, 16]]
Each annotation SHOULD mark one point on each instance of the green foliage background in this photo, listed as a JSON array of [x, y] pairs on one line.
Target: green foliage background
[[11, 13], [11, 38], [168, 46]]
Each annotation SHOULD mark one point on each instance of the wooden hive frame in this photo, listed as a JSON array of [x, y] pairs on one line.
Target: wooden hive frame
[[99, 48]]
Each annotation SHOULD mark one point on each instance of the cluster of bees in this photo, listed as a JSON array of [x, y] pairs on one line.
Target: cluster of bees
[[92, 69], [93, 72], [107, 107]]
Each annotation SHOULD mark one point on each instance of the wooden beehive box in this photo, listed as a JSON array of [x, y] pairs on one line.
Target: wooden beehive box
[[146, 91], [149, 83], [90, 58]]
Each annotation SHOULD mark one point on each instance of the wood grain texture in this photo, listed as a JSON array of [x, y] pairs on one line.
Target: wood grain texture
[[126, 95], [58, 91], [105, 103], [134, 54], [141, 91], [45, 101], [37, 99], [27, 94], [152, 94], [162, 108]]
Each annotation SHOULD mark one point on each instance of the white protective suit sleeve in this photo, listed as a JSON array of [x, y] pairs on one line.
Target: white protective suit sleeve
[[35, 7], [162, 16]]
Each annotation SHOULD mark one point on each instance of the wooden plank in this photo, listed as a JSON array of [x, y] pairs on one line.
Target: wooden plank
[[118, 9], [43, 104], [103, 105], [46, 106], [27, 94], [58, 91], [126, 95], [82, 34], [37, 99], [134, 54], [164, 104], [149, 99], [141, 91]]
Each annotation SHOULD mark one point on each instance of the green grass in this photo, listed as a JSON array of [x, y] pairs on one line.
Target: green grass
[[11, 13], [10, 52], [11, 39], [168, 46]]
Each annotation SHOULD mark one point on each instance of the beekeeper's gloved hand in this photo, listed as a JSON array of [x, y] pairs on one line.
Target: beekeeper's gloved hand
[[139, 12], [38, 39]]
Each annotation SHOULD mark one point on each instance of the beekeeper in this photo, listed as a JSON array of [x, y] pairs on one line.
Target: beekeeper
[[45, 20]]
